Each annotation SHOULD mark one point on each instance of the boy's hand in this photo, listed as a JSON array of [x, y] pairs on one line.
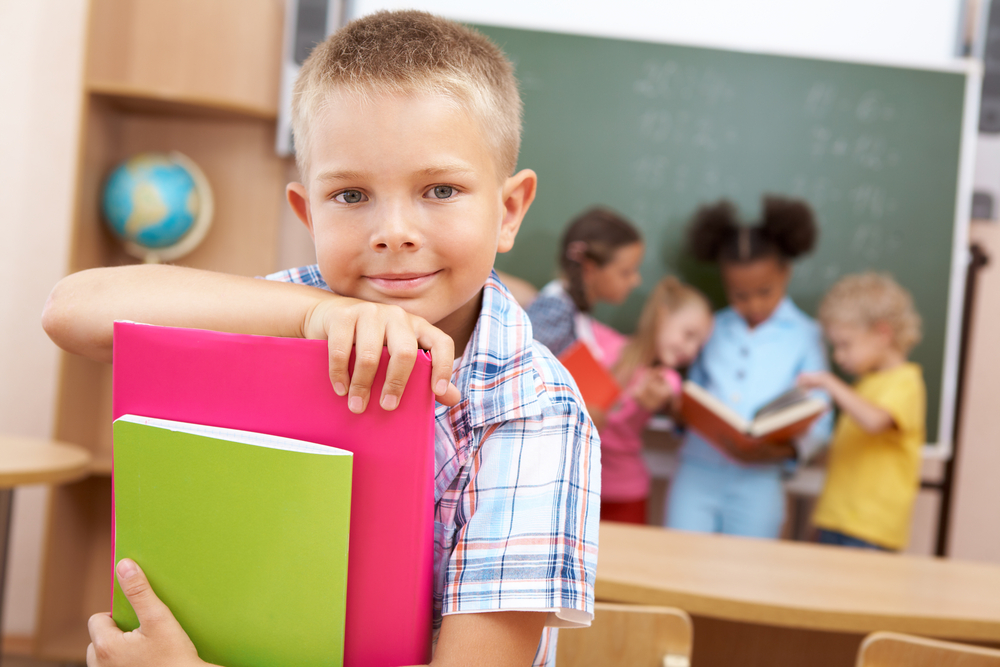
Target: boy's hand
[[818, 380], [367, 327], [159, 639]]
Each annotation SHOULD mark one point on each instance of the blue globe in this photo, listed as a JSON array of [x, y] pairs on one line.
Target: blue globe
[[152, 201]]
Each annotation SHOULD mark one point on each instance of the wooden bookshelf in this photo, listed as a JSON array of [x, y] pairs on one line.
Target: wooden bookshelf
[[196, 76]]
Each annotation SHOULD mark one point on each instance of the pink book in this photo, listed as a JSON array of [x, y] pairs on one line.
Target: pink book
[[281, 386]]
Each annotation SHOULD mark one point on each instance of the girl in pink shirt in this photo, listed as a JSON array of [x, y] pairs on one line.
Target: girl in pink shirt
[[675, 322]]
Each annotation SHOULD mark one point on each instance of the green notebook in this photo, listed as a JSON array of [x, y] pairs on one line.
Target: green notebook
[[244, 536]]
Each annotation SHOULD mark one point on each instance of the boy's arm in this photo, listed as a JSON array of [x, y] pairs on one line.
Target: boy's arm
[[81, 310], [492, 639], [869, 417]]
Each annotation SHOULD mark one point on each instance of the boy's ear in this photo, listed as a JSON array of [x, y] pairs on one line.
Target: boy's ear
[[298, 199], [518, 193], [884, 330]]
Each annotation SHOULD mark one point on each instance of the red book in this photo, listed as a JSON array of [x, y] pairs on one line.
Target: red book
[[786, 417], [597, 386], [281, 386]]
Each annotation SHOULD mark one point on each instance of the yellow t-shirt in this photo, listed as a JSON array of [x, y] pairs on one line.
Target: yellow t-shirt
[[873, 480]]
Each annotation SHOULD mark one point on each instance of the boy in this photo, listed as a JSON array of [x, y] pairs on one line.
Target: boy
[[873, 472], [407, 128]]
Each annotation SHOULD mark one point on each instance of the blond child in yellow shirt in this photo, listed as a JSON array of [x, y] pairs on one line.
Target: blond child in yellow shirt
[[873, 474]]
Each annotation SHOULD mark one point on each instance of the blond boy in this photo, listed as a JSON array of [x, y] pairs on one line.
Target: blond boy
[[407, 130], [874, 466]]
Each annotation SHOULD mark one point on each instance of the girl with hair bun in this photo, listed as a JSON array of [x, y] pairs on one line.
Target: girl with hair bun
[[760, 344]]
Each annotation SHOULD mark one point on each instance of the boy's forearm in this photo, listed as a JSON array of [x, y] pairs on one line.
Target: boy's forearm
[[869, 417], [82, 308]]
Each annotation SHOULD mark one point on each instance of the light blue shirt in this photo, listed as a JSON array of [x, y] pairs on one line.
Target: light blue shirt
[[746, 368]]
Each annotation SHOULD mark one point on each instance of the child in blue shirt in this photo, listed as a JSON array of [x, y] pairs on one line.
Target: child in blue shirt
[[407, 130], [759, 346]]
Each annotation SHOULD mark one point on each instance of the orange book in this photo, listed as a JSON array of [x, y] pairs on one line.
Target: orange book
[[787, 416], [597, 386]]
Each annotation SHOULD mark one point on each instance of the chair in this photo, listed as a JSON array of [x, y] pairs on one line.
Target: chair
[[890, 649], [628, 635]]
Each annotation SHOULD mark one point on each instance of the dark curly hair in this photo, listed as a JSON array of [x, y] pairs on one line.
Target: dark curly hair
[[593, 235], [787, 230]]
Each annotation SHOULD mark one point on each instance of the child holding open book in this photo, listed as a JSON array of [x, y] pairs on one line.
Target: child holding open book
[[873, 474], [758, 347], [674, 324], [407, 130]]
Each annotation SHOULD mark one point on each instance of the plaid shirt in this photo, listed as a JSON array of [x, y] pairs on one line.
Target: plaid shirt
[[517, 482]]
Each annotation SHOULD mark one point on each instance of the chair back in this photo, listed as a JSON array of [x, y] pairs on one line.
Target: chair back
[[890, 649], [628, 635]]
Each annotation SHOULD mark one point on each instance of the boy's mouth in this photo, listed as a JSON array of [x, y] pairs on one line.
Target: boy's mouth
[[401, 282]]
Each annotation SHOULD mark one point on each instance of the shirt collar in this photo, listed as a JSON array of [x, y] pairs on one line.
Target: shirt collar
[[496, 377]]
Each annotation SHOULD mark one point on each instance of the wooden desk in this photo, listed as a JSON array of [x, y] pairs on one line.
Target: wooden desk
[[765, 602], [32, 461]]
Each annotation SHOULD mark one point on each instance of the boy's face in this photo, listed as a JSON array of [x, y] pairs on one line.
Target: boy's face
[[405, 205], [858, 349]]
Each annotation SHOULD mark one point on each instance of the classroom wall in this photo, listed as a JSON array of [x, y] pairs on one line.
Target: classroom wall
[[911, 31], [40, 75]]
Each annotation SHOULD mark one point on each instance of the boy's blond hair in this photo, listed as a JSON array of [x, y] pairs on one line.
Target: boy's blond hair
[[869, 298], [407, 52]]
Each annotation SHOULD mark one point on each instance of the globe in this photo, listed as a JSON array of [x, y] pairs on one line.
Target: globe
[[158, 204]]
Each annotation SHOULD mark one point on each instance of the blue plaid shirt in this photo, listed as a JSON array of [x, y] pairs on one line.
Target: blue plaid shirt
[[517, 482]]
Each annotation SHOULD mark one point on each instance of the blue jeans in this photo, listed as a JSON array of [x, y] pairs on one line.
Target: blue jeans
[[842, 540]]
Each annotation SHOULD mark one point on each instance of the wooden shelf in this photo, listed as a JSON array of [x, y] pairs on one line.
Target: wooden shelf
[[139, 100], [195, 76], [228, 51]]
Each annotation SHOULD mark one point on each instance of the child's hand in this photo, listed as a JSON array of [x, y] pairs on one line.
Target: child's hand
[[652, 391], [367, 326], [816, 380], [159, 639]]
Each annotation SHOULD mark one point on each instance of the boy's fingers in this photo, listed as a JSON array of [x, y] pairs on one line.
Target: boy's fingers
[[402, 345], [136, 588], [369, 339], [442, 349], [340, 341]]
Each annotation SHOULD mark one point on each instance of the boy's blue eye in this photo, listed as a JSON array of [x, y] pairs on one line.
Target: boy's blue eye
[[443, 191], [350, 197]]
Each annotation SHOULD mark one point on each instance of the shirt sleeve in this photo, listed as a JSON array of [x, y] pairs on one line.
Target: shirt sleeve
[[906, 402], [552, 322], [529, 538]]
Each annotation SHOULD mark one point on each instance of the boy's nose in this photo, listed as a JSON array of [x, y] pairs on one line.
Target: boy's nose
[[396, 229]]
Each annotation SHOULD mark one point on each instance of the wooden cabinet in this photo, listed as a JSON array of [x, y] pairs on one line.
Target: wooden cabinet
[[200, 77]]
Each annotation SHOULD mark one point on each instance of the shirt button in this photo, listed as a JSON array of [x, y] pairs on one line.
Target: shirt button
[[744, 352], [740, 375]]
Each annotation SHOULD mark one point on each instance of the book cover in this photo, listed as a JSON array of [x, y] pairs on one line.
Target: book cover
[[281, 386], [597, 386], [243, 536], [785, 417]]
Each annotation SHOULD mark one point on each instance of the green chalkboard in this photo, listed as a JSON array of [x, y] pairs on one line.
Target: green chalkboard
[[655, 130]]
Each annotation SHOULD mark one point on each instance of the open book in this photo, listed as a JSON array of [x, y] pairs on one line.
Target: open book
[[785, 417], [225, 523]]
